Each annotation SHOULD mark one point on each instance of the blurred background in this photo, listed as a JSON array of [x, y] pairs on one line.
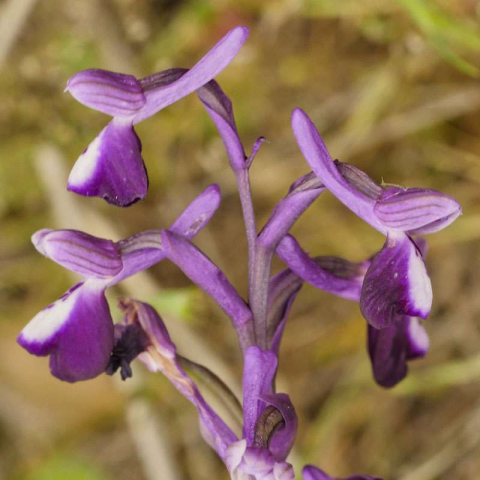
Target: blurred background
[[392, 86]]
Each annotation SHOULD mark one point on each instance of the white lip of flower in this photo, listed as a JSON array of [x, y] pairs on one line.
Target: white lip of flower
[[255, 464]]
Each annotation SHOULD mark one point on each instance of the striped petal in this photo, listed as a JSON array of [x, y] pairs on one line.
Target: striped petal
[[112, 93], [416, 211], [90, 256]]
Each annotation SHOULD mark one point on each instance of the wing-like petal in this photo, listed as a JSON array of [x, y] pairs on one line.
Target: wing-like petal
[[76, 331], [320, 161], [341, 278], [200, 74], [89, 256], [416, 211], [112, 93]]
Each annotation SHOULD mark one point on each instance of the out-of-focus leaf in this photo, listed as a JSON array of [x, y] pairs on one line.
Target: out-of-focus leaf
[[441, 28], [66, 468]]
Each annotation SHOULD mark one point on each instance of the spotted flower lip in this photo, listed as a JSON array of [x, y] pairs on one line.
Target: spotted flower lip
[[112, 166], [396, 282], [76, 331]]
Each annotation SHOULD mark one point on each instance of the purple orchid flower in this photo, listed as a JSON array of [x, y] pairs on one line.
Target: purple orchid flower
[[112, 166], [396, 282], [77, 330], [270, 422], [389, 348]]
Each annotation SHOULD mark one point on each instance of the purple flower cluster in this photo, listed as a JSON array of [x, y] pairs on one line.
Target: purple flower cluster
[[392, 287]]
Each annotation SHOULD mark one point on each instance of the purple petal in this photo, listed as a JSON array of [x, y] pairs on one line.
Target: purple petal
[[112, 93], [204, 71], [85, 254], [198, 213], [301, 195], [162, 356], [396, 283], [258, 373], [391, 347], [346, 281], [313, 473], [282, 291], [316, 154], [112, 167], [219, 107], [283, 436], [416, 210], [207, 276], [76, 331]]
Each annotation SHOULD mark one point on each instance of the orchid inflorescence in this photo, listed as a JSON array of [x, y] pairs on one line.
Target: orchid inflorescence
[[392, 287]]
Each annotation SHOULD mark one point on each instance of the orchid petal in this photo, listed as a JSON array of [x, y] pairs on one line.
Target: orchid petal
[[391, 347], [76, 331], [316, 154], [200, 74], [283, 437], [112, 167], [161, 356], [282, 291], [200, 269], [90, 256], [341, 278], [416, 210], [198, 213], [301, 195], [258, 373], [396, 283], [112, 93], [219, 107]]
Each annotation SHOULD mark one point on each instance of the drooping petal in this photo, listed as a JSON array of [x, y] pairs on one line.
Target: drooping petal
[[330, 274], [252, 463], [161, 355], [301, 195], [200, 74], [112, 93], [112, 167], [200, 269], [416, 211], [396, 283], [391, 347], [80, 252], [313, 473], [76, 331], [283, 437], [316, 154], [258, 374]]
